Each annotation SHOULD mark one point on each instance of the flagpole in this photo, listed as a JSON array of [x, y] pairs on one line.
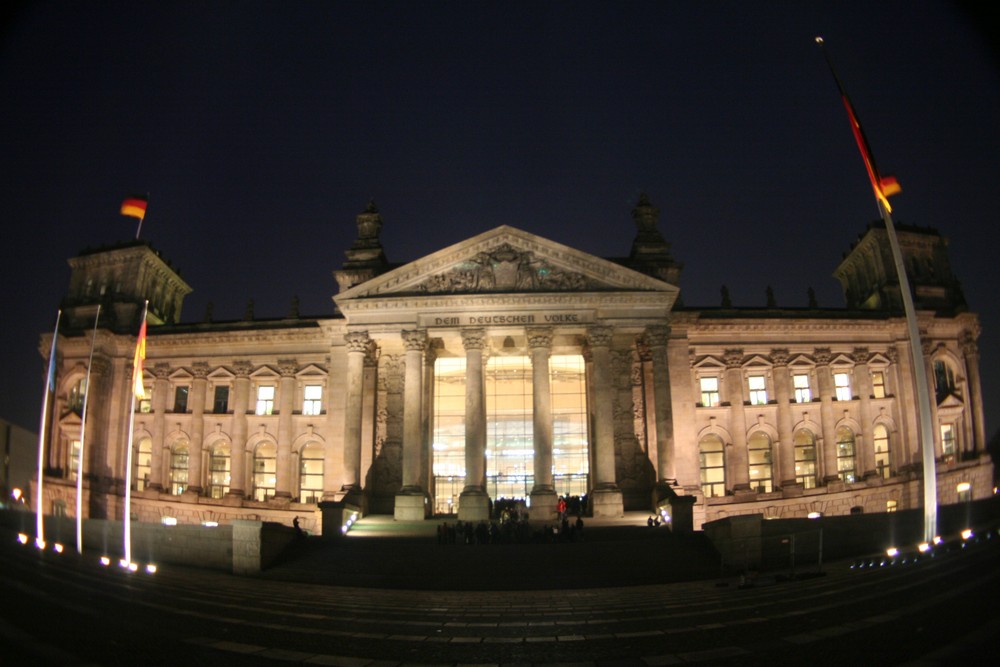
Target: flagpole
[[127, 518], [883, 187], [83, 440], [143, 217], [49, 387]]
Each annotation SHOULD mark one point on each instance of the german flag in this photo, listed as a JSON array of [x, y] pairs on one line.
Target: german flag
[[135, 207]]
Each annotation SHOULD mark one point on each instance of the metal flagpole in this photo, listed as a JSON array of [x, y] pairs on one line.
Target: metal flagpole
[[884, 186], [139, 228], [83, 440], [136, 380], [50, 381]]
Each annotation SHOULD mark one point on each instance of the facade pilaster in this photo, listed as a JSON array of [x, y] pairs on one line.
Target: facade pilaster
[[241, 402], [199, 388], [737, 468], [161, 388], [828, 445], [607, 498], [411, 503], [286, 407], [657, 338], [784, 474], [864, 450], [970, 352], [543, 493], [928, 349], [357, 348], [473, 504]]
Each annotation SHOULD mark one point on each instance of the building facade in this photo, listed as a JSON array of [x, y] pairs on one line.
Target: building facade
[[508, 366]]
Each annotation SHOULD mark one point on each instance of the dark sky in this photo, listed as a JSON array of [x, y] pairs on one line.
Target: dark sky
[[260, 130]]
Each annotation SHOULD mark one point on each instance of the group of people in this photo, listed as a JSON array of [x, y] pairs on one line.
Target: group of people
[[511, 527]]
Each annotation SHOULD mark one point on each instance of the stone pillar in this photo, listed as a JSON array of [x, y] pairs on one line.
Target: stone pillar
[[785, 472], [473, 503], [161, 388], [970, 350], [828, 440], [864, 452], [426, 463], [928, 349], [543, 493], [286, 406], [657, 338], [241, 401], [199, 388], [411, 501], [358, 343], [737, 464], [606, 497]]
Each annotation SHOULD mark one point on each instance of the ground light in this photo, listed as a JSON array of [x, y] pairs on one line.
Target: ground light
[[892, 552], [105, 561], [924, 547], [58, 548], [967, 534], [22, 538], [40, 543], [151, 568]]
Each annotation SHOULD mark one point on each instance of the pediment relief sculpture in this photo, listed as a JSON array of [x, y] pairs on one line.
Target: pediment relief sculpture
[[505, 269]]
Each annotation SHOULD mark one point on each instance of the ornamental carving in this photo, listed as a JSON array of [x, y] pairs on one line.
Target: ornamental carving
[[415, 341], [473, 339], [779, 356], [657, 336], [288, 367], [241, 369], [504, 269], [161, 370], [539, 337], [822, 355], [860, 355], [390, 376], [199, 369], [969, 346], [892, 353], [357, 341], [599, 336], [733, 358]]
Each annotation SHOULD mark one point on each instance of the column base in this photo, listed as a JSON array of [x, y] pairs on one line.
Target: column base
[[607, 502], [410, 506], [473, 505], [544, 505], [233, 498]]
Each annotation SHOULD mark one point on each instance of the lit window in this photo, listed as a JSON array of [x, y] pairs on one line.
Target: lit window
[[312, 399], [800, 382], [890, 506], [713, 466], [219, 471], [143, 463], [73, 469], [948, 438], [181, 399], [311, 474], [709, 391], [842, 384], [178, 469], [265, 400], [758, 390], [878, 384], [964, 491], [759, 457], [846, 468], [265, 467], [805, 458], [882, 461]]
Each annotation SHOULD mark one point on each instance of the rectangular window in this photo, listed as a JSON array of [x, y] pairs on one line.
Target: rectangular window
[[758, 390], [948, 438], [801, 384], [220, 405], [181, 399], [878, 384], [312, 399], [265, 400], [710, 392], [842, 384]]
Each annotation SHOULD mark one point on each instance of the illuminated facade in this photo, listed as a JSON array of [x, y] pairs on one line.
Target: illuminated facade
[[510, 366]]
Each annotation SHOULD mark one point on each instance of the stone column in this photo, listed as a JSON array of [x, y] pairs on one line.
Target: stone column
[[241, 401], [543, 492], [737, 464], [411, 503], [970, 351], [864, 452], [828, 442], [928, 349], [784, 475], [161, 387], [606, 498], [426, 462], [199, 388], [358, 343], [657, 338], [473, 503], [286, 407]]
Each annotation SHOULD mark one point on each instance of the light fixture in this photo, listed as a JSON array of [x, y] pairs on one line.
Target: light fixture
[[923, 547], [105, 561], [58, 548], [151, 568], [892, 552], [22, 538], [169, 520], [967, 533]]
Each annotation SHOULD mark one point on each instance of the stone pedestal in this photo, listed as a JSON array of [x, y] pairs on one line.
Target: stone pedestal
[[544, 505], [410, 507], [680, 509], [607, 502], [335, 516], [473, 506]]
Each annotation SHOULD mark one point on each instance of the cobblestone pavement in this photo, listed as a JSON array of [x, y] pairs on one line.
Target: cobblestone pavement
[[67, 610]]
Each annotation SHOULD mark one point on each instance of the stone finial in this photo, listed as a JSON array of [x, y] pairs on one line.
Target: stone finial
[[726, 301]]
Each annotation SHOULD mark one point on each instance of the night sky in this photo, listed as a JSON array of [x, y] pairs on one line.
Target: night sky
[[260, 130]]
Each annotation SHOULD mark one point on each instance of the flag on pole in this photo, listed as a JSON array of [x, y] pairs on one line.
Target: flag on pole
[[140, 354], [884, 186], [135, 207]]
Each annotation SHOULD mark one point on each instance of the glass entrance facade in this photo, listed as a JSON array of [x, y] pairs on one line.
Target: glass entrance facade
[[509, 428]]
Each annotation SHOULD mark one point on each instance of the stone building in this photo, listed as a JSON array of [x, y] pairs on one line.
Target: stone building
[[510, 366]]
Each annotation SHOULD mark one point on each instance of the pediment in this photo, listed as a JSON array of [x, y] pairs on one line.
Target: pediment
[[506, 260]]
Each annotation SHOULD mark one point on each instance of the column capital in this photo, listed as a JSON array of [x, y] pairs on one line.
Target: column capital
[[242, 368], [657, 335], [779, 356], [474, 339], [161, 370], [357, 341], [733, 358], [288, 367], [539, 337], [823, 356], [860, 355], [100, 366], [599, 336], [199, 370], [414, 340]]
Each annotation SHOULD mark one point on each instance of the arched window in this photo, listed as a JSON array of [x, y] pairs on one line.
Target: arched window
[[805, 458], [219, 461], [759, 456], [883, 463], [143, 463], [178, 469], [944, 380], [846, 468], [311, 473], [713, 466], [265, 470]]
